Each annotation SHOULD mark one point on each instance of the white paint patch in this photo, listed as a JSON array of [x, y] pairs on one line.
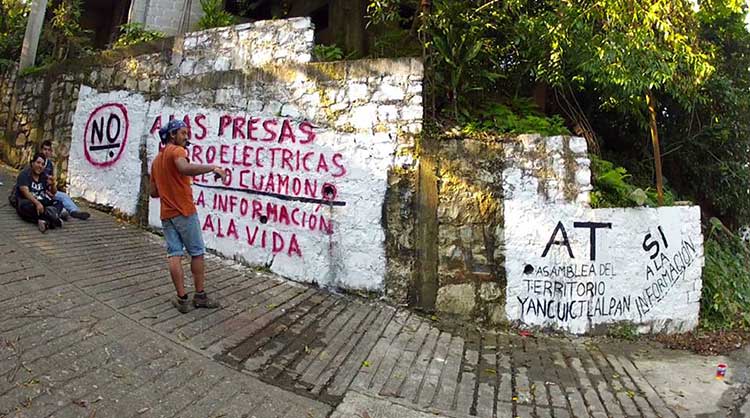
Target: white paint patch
[[744, 233], [572, 267], [104, 166]]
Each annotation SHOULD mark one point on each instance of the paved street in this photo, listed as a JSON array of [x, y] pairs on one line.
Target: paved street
[[87, 331]]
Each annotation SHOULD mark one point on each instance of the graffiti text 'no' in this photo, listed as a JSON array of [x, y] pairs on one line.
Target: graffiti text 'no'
[[106, 134]]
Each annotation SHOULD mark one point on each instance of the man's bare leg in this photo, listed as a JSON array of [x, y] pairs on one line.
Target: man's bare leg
[[177, 274], [200, 299], [198, 268]]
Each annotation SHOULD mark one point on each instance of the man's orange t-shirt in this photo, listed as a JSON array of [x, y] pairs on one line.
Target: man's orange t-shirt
[[174, 189]]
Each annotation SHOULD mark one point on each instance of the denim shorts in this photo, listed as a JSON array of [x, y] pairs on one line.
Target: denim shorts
[[183, 231]]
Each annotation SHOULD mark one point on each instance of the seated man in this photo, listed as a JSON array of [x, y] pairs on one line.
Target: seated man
[[33, 191], [67, 202]]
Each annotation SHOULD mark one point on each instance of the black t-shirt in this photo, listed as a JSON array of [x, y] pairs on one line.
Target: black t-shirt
[[37, 188], [49, 168]]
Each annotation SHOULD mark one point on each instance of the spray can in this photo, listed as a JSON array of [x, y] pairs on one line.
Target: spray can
[[721, 371]]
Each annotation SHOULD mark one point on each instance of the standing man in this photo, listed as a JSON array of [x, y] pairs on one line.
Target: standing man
[[33, 190], [170, 181], [68, 204]]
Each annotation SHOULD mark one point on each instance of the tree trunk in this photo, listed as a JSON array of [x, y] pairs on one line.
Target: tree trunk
[[655, 142], [33, 30], [425, 7]]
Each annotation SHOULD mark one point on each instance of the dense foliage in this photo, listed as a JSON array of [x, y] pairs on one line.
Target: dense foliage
[[519, 117], [214, 15], [69, 37], [707, 146], [327, 53], [13, 16], [725, 300], [620, 48], [135, 33], [595, 62], [613, 187], [62, 36]]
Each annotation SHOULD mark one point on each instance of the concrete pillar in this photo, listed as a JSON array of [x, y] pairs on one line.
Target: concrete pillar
[[427, 283], [33, 30], [138, 11]]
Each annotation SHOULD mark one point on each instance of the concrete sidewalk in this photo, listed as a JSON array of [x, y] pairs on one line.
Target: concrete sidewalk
[[88, 332]]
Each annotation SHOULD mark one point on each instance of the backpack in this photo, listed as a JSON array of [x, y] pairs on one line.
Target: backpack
[[12, 198]]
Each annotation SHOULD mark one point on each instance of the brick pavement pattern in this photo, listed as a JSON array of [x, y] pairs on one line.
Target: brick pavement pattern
[[87, 326]]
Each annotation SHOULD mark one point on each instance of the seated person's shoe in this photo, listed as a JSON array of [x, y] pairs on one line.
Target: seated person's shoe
[[203, 301], [80, 215], [64, 215], [51, 215], [182, 305], [42, 225]]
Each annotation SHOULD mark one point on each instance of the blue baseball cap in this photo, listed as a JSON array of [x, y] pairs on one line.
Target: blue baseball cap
[[172, 126]]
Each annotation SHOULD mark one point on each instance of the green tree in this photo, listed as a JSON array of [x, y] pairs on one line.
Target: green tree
[[468, 46], [13, 17], [66, 23], [631, 52], [63, 37], [460, 38], [708, 147], [606, 57]]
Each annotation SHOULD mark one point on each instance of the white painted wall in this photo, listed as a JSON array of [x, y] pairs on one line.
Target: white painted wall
[[247, 45], [109, 176], [645, 266], [362, 115], [348, 135], [351, 256]]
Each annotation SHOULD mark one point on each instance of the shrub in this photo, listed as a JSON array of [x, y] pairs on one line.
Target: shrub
[[135, 33], [725, 302], [327, 53], [13, 17], [214, 15], [613, 187], [517, 118]]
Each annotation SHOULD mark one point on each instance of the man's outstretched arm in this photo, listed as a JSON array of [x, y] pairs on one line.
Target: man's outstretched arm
[[188, 169]]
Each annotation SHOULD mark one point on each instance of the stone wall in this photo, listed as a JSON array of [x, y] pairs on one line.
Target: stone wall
[[471, 277], [35, 108], [40, 106], [19, 116], [517, 241], [365, 115], [247, 45], [310, 148], [462, 225], [311, 136]]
